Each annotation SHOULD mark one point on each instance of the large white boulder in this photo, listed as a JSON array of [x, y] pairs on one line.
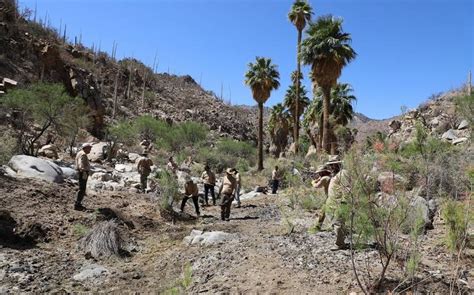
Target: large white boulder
[[69, 173], [206, 238], [91, 272], [32, 167], [97, 151]]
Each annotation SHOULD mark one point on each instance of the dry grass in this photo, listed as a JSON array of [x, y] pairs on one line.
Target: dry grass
[[103, 240]]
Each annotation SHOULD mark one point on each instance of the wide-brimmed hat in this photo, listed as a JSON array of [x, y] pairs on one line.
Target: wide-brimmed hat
[[333, 160], [229, 171], [86, 145]]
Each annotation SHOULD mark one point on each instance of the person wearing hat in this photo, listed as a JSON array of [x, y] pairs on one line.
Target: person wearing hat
[[209, 179], [322, 180], [336, 200], [191, 191], [83, 169], [144, 169], [227, 188]]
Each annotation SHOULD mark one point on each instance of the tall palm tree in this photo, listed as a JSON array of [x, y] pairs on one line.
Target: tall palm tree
[[291, 101], [262, 77], [299, 15], [278, 127], [327, 49]]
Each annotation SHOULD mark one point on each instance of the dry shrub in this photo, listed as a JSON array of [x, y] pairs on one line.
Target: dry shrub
[[103, 240]]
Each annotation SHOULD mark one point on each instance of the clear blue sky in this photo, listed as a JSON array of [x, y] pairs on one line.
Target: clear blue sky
[[407, 49]]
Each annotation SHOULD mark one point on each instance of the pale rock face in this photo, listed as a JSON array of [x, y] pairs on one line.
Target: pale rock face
[[91, 272], [32, 167], [49, 151], [198, 237], [463, 125], [459, 140], [97, 151], [449, 135]]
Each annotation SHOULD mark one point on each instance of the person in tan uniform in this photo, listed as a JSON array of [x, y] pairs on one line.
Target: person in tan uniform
[[83, 169], [322, 180], [227, 189], [144, 169], [336, 199], [172, 166], [237, 189], [209, 179], [191, 191]]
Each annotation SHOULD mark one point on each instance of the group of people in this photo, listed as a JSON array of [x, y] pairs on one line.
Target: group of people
[[229, 189], [329, 177]]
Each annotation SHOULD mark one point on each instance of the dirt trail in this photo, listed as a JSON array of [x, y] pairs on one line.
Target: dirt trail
[[260, 257]]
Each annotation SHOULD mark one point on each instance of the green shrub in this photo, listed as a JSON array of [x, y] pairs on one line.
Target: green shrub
[[457, 216], [8, 145], [228, 153], [168, 191], [47, 106]]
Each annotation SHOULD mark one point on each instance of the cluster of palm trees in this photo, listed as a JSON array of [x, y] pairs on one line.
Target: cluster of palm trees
[[327, 50]]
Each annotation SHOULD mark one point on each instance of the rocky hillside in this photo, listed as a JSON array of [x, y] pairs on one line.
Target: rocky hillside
[[367, 126], [113, 89], [438, 115]]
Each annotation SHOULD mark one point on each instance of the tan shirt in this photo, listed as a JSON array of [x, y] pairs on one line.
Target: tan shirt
[[228, 185], [322, 182], [191, 189], [209, 177], [275, 175], [144, 165], [336, 190], [82, 162]]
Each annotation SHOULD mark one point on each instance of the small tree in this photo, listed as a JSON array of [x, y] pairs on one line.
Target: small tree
[[42, 107]]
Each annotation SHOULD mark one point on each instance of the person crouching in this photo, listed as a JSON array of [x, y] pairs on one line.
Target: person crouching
[[191, 191]]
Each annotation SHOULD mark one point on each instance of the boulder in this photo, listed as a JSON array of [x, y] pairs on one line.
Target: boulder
[[463, 125], [449, 135], [49, 151], [459, 140], [32, 167], [69, 173], [91, 272], [101, 176], [434, 122], [249, 196], [124, 168], [421, 209], [206, 238], [133, 157], [395, 125], [98, 152]]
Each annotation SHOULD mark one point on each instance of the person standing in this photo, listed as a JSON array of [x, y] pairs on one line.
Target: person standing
[[275, 180], [191, 191], [336, 200], [209, 179], [322, 181], [237, 189], [144, 169], [227, 189], [83, 169]]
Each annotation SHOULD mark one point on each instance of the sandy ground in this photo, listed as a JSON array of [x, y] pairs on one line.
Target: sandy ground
[[261, 257]]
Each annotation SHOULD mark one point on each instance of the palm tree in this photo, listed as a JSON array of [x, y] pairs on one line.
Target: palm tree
[[327, 49], [290, 102], [340, 108], [278, 127], [262, 77], [299, 15]]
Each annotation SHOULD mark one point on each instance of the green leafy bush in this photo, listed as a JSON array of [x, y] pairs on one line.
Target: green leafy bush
[[228, 153], [457, 216]]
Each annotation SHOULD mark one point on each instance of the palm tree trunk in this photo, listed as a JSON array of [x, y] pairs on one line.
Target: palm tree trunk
[[260, 137], [326, 101], [320, 134], [297, 98]]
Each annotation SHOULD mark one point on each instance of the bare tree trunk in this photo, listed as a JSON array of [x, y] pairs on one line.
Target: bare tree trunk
[[114, 111], [260, 137], [326, 102], [129, 82], [296, 125]]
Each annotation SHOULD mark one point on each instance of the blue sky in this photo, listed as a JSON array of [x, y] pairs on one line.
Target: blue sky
[[407, 49]]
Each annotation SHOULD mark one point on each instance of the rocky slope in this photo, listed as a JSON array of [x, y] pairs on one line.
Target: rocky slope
[[33, 53]]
